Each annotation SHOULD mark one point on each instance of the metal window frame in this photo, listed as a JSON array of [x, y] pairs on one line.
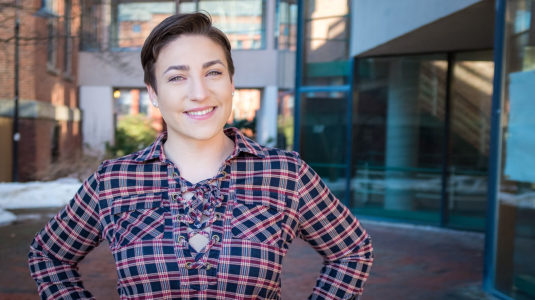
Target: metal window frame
[[301, 89], [491, 230]]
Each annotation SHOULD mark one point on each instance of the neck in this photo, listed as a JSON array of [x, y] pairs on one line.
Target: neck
[[198, 159]]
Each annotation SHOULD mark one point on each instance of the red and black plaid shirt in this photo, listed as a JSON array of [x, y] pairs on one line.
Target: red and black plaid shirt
[[262, 199]]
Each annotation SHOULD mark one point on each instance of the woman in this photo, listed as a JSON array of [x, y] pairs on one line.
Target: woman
[[202, 213]]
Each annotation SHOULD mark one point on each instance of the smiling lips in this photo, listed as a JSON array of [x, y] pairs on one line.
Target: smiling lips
[[201, 113]]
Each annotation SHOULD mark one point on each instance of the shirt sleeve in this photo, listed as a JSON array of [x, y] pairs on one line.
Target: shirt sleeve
[[63, 242], [331, 229]]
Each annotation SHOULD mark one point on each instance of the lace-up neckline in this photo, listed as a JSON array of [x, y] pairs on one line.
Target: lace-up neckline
[[200, 201]]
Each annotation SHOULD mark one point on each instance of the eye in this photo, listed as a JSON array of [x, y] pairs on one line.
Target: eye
[[176, 78], [214, 73]]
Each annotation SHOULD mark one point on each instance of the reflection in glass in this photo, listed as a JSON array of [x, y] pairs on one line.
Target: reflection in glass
[[515, 266], [245, 106], [323, 137], [471, 98], [398, 124], [287, 24], [91, 31], [133, 21], [326, 44], [285, 120], [187, 6], [132, 102], [241, 20]]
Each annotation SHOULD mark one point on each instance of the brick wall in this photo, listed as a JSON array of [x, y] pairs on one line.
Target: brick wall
[[34, 147], [39, 81]]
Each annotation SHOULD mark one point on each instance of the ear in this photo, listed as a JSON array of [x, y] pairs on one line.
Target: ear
[[152, 95]]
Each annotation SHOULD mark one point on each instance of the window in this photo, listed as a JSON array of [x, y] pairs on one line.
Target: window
[[52, 44], [134, 20], [326, 44], [286, 35], [132, 102], [400, 150], [285, 119], [241, 20], [245, 105], [514, 274], [49, 6], [91, 30]]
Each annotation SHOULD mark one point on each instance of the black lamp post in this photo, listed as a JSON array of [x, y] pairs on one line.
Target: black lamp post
[[16, 134]]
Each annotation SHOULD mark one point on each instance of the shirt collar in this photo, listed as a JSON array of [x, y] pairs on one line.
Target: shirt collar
[[242, 144]]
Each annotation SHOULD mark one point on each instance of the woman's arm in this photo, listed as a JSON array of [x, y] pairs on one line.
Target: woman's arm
[[63, 242], [337, 235]]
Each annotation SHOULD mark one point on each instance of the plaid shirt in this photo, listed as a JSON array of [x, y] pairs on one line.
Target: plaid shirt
[[264, 198]]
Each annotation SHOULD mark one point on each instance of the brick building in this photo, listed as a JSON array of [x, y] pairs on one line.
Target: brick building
[[50, 120]]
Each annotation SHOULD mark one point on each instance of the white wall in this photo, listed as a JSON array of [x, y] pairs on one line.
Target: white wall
[[253, 68], [96, 104], [266, 118], [286, 71], [118, 69], [375, 22]]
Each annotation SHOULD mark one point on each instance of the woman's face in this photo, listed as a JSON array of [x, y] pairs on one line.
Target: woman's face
[[194, 88]]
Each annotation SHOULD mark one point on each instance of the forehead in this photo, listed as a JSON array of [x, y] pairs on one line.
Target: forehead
[[190, 49]]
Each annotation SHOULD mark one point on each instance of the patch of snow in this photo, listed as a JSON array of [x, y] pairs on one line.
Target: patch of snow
[[37, 194], [6, 217]]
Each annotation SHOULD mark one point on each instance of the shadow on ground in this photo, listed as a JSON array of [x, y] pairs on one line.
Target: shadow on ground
[[410, 263]]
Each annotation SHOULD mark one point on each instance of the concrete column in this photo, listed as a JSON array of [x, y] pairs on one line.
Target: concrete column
[[96, 103], [270, 18], [402, 131], [266, 117]]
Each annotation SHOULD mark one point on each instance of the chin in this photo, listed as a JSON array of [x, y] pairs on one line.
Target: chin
[[202, 134]]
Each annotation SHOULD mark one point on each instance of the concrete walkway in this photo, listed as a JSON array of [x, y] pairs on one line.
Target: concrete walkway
[[410, 263]]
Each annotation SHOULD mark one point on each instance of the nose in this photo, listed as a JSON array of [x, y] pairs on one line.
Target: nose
[[197, 89]]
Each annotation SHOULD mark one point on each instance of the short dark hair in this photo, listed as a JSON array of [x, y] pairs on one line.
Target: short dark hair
[[173, 27]]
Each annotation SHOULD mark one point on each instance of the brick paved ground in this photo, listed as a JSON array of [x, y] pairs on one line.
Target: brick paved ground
[[411, 263]]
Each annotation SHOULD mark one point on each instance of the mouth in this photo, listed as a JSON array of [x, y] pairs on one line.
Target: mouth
[[200, 112]]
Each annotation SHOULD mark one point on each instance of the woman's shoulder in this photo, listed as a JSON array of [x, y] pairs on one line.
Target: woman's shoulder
[[249, 145], [129, 161], [274, 152]]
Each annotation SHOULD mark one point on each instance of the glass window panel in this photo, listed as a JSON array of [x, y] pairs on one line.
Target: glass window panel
[[187, 6], [285, 120], [471, 99], [245, 106], [133, 21], [326, 44], [51, 6], [287, 25], [241, 20], [515, 266], [91, 30], [323, 137], [398, 124], [132, 102], [144, 102], [52, 43]]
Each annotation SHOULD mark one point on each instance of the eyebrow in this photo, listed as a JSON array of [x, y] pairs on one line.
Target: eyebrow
[[186, 67]]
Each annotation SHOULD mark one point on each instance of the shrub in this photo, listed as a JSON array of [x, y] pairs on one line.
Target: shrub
[[133, 133]]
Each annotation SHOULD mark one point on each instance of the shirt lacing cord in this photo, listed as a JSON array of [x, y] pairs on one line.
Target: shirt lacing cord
[[199, 215]]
